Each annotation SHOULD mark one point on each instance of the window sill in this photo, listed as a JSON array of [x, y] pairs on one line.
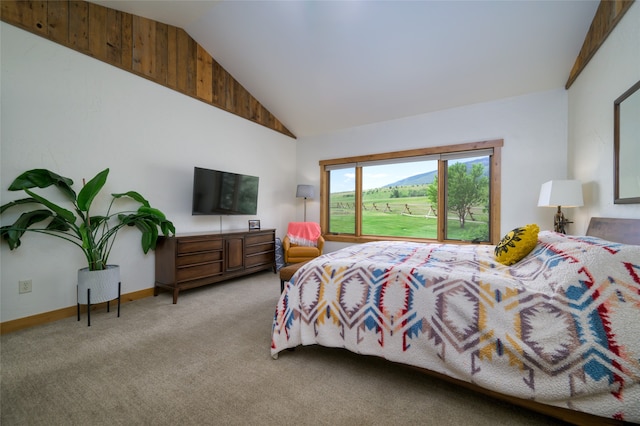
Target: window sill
[[370, 238]]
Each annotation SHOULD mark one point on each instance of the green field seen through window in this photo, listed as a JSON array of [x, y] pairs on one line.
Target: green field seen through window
[[402, 216]]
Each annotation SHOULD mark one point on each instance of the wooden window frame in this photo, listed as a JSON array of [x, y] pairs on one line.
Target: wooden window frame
[[357, 237]]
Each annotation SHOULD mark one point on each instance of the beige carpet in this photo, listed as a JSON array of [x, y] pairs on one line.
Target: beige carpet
[[206, 360]]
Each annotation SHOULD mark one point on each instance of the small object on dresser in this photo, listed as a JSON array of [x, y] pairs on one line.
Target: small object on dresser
[[254, 224]]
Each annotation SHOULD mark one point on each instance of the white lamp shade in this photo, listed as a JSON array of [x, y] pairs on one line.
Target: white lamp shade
[[565, 193], [304, 191]]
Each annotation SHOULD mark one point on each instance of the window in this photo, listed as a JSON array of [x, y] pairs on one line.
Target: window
[[448, 193], [342, 200]]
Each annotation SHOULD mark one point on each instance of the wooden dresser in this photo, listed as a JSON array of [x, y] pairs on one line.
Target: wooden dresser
[[187, 261]]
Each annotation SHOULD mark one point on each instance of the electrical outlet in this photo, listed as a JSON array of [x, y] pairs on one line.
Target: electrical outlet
[[24, 286]]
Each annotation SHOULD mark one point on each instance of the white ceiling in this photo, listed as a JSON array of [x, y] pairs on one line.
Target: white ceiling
[[321, 66]]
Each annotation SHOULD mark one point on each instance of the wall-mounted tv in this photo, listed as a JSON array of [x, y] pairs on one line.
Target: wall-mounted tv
[[222, 193]]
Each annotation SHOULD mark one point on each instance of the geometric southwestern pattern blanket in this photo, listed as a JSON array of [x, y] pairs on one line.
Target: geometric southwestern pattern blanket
[[561, 327]]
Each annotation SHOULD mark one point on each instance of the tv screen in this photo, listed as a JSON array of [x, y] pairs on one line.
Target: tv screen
[[222, 193]]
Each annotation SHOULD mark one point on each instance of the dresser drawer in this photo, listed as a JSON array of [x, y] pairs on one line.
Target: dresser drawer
[[202, 257], [187, 273], [257, 248], [260, 238], [194, 246], [260, 259]]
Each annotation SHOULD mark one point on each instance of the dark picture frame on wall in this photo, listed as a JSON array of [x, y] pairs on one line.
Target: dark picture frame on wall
[[254, 224]]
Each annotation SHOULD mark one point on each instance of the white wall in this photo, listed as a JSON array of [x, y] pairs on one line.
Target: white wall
[[611, 72], [534, 129], [67, 112]]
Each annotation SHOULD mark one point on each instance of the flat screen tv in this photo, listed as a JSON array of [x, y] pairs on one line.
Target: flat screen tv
[[222, 193]]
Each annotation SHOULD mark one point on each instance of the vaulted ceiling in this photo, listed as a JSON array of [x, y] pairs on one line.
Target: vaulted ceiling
[[323, 66]]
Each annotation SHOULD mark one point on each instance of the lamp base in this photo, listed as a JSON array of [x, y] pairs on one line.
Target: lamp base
[[305, 209], [560, 222]]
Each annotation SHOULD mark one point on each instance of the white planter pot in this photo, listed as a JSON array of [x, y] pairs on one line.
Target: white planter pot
[[103, 284]]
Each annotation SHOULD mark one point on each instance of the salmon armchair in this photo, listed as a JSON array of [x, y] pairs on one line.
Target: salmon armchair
[[312, 248]]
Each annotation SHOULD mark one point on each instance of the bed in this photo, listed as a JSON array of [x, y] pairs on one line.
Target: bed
[[557, 332]]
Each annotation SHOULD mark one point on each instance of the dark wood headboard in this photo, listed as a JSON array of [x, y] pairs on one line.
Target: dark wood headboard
[[626, 231]]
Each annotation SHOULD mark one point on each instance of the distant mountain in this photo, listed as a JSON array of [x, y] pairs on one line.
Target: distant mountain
[[427, 178], [421, 179]]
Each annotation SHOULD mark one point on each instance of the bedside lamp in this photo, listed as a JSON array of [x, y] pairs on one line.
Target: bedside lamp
[[304, 191], [558, 193]]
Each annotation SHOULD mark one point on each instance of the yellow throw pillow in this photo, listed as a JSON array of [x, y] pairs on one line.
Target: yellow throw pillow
[[517, 244]]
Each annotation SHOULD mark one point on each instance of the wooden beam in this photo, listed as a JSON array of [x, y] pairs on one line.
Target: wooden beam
[[78, 26], [162, 53], [58, 21], [607, 16]]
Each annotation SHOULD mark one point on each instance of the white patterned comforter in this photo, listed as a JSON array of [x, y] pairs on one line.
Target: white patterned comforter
[[561, 327]]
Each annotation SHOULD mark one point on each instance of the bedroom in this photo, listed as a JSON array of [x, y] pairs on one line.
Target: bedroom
[[79, 112], [82, 104]]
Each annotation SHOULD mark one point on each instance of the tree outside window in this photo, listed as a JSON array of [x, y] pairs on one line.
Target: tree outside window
[[467, 199]]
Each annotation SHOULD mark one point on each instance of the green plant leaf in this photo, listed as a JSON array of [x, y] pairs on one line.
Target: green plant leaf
[[85, 234], [152, 211], [43, 178], [91, 189], [16, 203], [13, 233], [149, 234], [96, 221], [133, 194], [13, 242], [62, 212], [128, 219], [58, 224], [167, 227]]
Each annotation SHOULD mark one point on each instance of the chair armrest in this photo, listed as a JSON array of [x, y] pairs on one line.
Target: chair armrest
[[286, 245], [320, 244]]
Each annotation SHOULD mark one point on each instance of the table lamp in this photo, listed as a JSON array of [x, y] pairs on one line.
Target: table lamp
[[558, 193]]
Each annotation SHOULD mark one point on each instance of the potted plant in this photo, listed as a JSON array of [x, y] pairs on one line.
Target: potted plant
[[94, 235]]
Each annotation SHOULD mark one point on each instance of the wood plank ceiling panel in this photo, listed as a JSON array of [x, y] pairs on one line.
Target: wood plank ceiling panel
[[162, 53]]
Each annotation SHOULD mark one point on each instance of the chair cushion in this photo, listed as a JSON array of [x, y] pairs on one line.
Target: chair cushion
[[303, 251]]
